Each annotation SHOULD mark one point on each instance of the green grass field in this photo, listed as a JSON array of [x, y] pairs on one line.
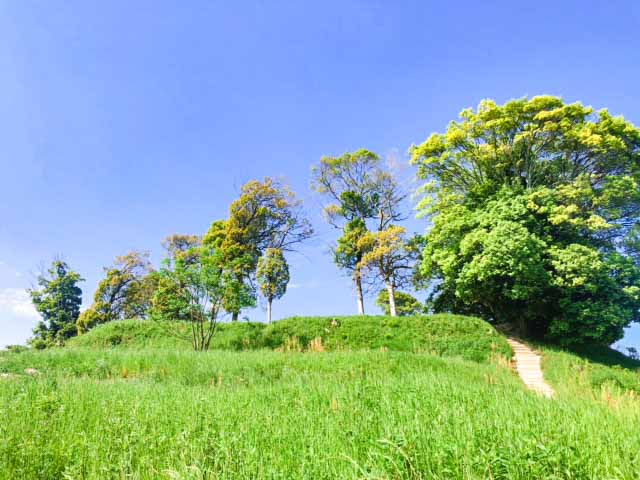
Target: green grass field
[[412, 407]]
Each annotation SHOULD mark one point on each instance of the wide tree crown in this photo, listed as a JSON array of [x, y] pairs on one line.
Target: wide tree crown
[[535, 217], [527, 144]]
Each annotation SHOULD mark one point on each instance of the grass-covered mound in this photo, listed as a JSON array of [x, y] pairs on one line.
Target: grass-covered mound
[[167, 335], [449, 335], [167, 414]]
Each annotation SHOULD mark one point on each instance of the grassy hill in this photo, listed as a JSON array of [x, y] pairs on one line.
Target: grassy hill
[[386, 399], [449, 335]]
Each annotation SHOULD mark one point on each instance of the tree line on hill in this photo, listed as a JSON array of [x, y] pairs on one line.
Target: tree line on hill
[[534, 222]]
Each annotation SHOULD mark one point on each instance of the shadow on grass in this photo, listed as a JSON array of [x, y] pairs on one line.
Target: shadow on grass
[[597, 354], [605, 356], [600, 354]]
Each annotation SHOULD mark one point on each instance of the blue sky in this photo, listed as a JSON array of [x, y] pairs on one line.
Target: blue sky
[[123, 122]]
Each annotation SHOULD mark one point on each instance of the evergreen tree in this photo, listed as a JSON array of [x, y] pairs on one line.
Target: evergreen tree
[[58, 301]]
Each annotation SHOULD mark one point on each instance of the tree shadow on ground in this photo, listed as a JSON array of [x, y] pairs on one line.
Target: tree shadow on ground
[[600, 354], [605, 356]]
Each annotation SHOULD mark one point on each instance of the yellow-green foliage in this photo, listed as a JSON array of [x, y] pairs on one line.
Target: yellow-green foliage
[[272, 274]]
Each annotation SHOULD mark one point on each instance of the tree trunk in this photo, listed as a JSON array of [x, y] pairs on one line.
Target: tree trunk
[[522, 326], [234, 316], [359, 295], [269, 310], [392, 300]]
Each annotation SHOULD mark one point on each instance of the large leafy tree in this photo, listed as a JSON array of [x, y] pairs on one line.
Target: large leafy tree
[[58, 301], [534, 207], [272, 276], [362, 196], [125, 292], [266, 215]]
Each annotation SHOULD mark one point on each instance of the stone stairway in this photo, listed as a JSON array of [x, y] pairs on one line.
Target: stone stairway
[[528, 368]]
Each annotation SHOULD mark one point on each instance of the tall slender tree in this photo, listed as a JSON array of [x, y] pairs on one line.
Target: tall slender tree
[[272, 276], [348, 254], [390, 258]]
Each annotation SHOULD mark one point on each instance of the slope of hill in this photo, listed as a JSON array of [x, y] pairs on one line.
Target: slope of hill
[[146, 409], [598, 372]]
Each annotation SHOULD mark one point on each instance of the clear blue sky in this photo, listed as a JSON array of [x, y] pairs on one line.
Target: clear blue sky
[[123, 122]]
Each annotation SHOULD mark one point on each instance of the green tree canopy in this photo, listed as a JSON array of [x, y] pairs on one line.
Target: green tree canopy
[[237, 257], [170, 299], [182, 247], [125, 292], [357, 188], [534, 207], [58, 301], [266, 215], [191, 289]]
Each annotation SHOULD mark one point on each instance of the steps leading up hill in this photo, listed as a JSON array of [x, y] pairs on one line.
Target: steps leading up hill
[[528, 368]]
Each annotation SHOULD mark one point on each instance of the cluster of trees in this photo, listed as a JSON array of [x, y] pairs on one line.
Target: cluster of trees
[[365, 204], [202, 277], [533, 210], [223, 271]]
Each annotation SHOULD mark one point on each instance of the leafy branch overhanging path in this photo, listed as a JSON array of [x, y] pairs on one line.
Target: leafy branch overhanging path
[[528, 368]]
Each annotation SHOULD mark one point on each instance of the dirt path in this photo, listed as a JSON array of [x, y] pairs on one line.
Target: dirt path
[[528, 367]]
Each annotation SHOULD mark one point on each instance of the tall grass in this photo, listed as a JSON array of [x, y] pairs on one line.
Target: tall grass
[[152, 413], [598, 373], [408, 398]]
